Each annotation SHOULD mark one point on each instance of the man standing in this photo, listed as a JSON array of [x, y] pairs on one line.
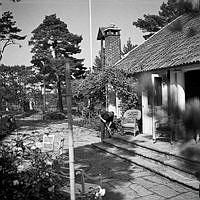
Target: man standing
[[106, 122]]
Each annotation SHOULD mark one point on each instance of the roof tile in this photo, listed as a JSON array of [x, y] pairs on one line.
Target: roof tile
[[166, 48]]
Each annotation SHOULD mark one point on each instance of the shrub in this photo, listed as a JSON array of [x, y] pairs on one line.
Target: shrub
[[29, 113], [7, 124], [92, 123], [54, 116], [33, 175], [93, 88], [37, 180]]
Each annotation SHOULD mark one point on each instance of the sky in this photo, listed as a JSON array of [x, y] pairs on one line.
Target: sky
[[28, 14]]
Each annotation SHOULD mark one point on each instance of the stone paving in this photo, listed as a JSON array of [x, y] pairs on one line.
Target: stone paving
[[121, 179], [126, 181]]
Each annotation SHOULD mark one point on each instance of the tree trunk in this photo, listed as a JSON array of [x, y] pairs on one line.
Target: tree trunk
[[26, 107], [1, 104], [59, 101]]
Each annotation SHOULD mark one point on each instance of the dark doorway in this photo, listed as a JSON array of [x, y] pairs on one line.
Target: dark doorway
[[192, 84]]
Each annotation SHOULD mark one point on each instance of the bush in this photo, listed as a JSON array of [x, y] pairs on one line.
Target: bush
[[33, 175], [54, 116], [92, 123], [34, 179], [29, 113], [7, 124]]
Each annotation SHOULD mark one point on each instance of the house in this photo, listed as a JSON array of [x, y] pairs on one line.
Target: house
[[170, 62]]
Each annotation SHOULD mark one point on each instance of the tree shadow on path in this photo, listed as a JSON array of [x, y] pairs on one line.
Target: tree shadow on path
[[115, 171]]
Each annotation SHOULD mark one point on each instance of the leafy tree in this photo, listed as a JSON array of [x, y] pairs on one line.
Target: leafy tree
[[97, 62], [128, 47], [16, 84], [8, 32], [8, 87], [52, 45], [169, 11], [93, 88]]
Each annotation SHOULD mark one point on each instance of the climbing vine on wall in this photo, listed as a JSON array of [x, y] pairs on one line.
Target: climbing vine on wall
[[93, 87]]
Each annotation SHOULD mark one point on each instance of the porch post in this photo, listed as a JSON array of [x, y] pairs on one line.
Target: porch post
[[153, 107], [177, 93], [173, 101], [180, 101], [173, 88], [168, 94], [180, 90]]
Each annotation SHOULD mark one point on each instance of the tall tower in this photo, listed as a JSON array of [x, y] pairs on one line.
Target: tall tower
[[110, 45], [110, 54]]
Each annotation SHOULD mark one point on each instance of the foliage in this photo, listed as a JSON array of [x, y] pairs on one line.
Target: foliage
[[34, 178], [91, 123], [128, 47], [93, 88], [17, 84], [53, 45], [8, 124], [8, 32], [93, 194], [54, 116], [169, 11], [28, 173], [97, 62]]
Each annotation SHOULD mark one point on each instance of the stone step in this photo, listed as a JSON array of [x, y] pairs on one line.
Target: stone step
[[155, 167], [165, 148], [179, 164]]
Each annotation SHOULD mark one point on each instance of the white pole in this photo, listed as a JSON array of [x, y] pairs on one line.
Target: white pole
[[90, 16]]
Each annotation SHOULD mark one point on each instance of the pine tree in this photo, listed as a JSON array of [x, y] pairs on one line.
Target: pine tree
[[52, 45], [169, 11], [8, 32], [128, 47]]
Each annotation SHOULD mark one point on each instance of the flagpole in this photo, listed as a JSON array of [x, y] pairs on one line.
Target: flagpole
[[90, 16]]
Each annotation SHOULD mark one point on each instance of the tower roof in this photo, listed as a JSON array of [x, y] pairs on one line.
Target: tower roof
[[102, 30]]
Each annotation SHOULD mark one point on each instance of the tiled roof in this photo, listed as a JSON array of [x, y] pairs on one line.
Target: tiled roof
[[166, 48]]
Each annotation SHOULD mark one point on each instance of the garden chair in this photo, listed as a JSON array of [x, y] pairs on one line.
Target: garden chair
[[129, 121]]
